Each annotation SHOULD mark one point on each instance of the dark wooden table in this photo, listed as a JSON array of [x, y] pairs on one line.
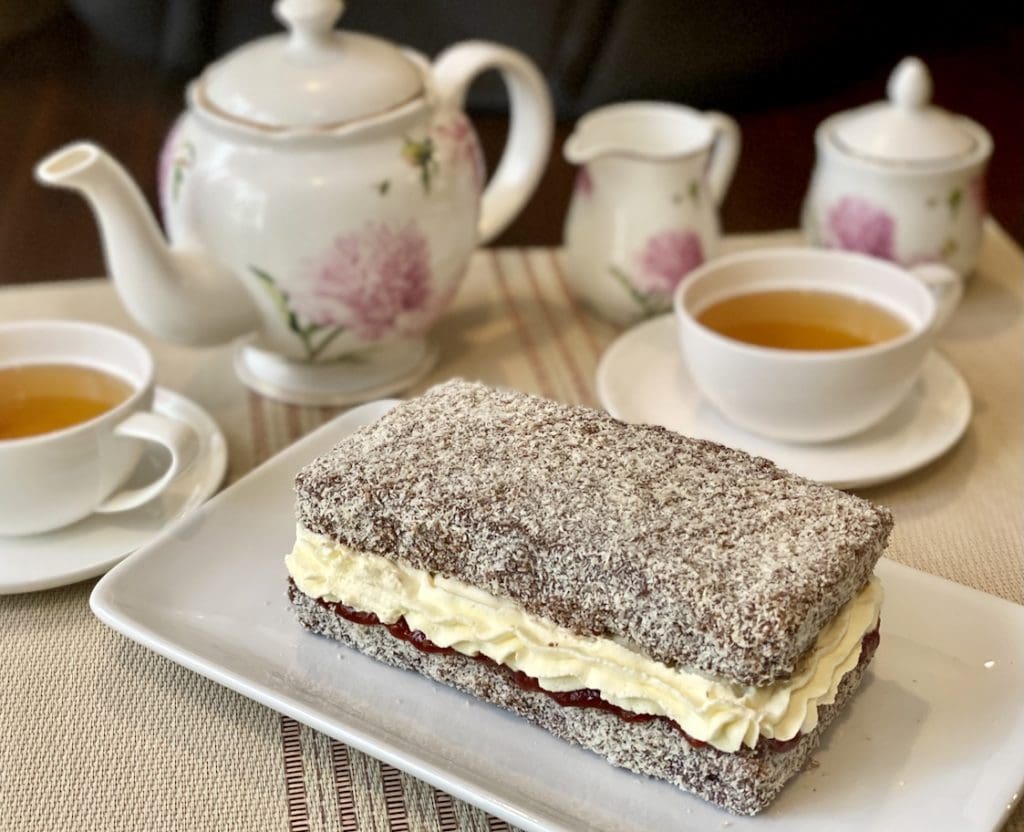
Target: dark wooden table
[[58, 84]]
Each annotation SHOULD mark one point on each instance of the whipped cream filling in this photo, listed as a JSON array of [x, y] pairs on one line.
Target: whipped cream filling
[[454, 614]]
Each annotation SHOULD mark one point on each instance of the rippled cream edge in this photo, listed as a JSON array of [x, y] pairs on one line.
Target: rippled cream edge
[[454, 614]]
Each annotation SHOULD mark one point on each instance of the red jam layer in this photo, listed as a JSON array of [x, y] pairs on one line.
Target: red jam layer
[[583, 698]]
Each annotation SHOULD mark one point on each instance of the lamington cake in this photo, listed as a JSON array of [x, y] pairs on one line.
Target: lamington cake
[[683, 609]]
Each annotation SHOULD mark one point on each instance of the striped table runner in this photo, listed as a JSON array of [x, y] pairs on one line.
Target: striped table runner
[[96, 733]]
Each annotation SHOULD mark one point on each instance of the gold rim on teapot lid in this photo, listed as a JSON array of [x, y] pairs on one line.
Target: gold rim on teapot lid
[[314, 77]]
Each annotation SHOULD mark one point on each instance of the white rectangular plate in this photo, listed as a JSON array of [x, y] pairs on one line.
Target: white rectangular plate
[[934, 740]]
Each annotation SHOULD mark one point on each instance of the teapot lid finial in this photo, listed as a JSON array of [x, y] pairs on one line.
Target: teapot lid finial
[[907, 129], [312, 78], [309, 22]]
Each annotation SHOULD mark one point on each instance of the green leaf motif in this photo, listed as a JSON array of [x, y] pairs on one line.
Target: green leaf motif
[[177, 179], [184, 159], [280, 298], [420, 154], [332, 333], [649, 305], [956, 196], [314, 337]]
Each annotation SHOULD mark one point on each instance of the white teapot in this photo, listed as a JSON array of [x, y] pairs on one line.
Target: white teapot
[[900, 179], [322, 194]]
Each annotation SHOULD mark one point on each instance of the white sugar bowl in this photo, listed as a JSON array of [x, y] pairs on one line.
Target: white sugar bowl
[[900, 179]]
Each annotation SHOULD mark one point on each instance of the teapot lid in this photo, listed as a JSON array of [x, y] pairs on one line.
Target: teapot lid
[[313, 77], [906, 128]]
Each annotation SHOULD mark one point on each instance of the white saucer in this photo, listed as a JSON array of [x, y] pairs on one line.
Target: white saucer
[[642, 378], [92, 546]]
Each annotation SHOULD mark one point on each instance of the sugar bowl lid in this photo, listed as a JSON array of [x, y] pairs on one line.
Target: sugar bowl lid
[[313, 77], [906, 129]]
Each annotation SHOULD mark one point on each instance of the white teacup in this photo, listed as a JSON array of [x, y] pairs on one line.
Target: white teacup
[[49, 480], [805, 395]]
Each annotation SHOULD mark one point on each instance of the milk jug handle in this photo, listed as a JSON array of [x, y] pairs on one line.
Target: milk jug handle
[[724, 154]]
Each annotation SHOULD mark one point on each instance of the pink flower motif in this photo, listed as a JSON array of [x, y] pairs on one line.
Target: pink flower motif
[[667, 258], [374, 281], [854, 224], [465, 147], [584, 182]]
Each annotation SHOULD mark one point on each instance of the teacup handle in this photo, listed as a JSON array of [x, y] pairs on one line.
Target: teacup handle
[[945, 285], [724, 154], [177, 437], [531, 124]]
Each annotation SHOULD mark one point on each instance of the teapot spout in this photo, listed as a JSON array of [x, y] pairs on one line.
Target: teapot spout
[[178, 294]]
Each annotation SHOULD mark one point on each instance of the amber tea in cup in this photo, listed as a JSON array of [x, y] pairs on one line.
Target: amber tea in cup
[[794, 386], [41, 398], [803, 319], [77, 411]]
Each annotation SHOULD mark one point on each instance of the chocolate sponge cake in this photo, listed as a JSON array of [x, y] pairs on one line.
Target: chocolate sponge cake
[[684, 609]]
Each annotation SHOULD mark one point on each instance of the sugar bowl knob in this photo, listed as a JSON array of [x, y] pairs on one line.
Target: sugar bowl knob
[[910, 84]]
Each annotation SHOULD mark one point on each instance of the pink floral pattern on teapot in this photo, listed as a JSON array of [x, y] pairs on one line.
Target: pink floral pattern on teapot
[[459, 142], [374, 282]]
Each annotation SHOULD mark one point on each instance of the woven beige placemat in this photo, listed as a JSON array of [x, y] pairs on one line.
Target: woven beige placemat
[[97, 733], [962, 517]]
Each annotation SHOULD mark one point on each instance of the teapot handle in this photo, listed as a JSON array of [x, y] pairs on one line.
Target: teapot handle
[[724, 154], [531, 123]]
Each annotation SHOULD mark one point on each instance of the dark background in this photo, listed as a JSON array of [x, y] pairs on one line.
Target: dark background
[[114, 70]]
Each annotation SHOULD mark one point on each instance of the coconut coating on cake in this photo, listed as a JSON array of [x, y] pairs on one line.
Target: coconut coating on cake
[[694, 554], [744, 782]]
